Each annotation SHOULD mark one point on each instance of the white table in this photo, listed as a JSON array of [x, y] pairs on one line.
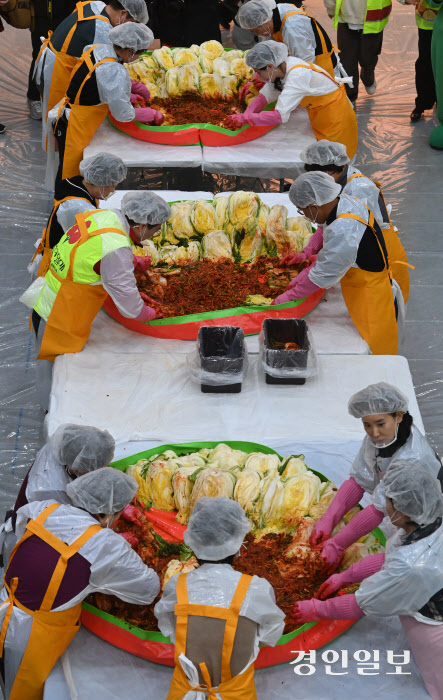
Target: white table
[[332, 328], [271, 156]]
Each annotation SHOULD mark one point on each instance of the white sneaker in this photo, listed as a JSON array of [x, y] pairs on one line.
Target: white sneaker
[[372, 88], [35, 109]]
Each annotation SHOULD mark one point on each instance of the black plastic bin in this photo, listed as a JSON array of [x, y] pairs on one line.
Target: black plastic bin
[[222, 352], [285, 330]]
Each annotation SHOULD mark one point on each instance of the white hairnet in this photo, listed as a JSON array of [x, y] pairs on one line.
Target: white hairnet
[[130, 35], [103, 169], [325, 152], [145, 207], [137, 9], [255, 13], [82, 447], [217, 528], [105, 490], [267, 52], [377, 398], [313, 188], [414, 492]]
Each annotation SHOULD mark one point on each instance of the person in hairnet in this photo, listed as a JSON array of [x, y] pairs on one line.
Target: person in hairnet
[[304, 37], [64, 553], [92, 260], [293, 82], [390, 436], [99, 176], [194, 607], [99, 82], [410, 580], [71, 451], [89, 24], [352, 252], [330, 157]]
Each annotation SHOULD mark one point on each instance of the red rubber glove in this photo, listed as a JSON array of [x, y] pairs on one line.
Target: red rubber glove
[[148, 115], [347, 496], [235, 121], [357, 572], [264, 118], [255, 81], [131, 514], [141, 263], [343, 608], [138, 88], [131, 538]]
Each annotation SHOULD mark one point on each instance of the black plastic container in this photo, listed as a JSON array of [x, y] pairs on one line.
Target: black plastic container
[[285, 330], [222, 352]]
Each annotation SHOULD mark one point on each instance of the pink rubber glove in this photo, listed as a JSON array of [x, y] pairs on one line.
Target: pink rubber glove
[[362, 524], [357, 572], [347, 496], [131, 538], [147, 314], [256, 105], [131, 514], [138, 88], [264, 118], [148, 115], [309, 253], [301, 287], [141, 263], [342, 608], [292, 259], [235, 121], [300, 277], [256, 81]]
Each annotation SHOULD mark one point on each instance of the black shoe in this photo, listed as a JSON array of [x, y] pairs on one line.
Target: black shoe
[[416, 114], [2, 128]]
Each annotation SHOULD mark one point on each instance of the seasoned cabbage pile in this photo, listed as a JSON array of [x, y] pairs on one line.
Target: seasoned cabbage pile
[[238, 227], [207, 70]]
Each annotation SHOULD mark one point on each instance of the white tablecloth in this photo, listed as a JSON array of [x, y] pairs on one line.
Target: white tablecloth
[[273, 155]]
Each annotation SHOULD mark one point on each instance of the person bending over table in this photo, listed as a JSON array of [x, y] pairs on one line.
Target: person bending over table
[[92, 260], [302, 34], [88, 24], [390, 436], [293, 82], [409, 582], [99, 176], [64, 553], [100, 82], [215, 615], [331, 157], [351, 251]]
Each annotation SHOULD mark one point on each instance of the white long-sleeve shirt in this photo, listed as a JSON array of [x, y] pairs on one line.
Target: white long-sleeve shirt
[[297, 84], [364, 189]]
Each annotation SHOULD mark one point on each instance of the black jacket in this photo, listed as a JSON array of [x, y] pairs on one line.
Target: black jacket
[[184, 22]]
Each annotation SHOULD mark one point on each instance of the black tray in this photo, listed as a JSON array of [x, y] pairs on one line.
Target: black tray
[[222, 352], [285, 330]]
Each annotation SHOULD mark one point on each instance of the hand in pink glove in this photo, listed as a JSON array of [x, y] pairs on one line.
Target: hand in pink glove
[[299, 278], [148, 115], [131, 514], [136, 100], [256, 105], [255, 81], [141, 263], [343, 608], [147, 314], [347, 496], [270, 118], [138, 88], [304, 611], [292, 259], [299, 288], [131, 538], [361, 524], [331, 554], [357, 572], [235, 121]]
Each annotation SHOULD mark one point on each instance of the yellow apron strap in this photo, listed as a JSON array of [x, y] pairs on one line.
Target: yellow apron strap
[[181, 627], [57, 203], [231, 625], [5, 625], [370, 223], [91, 69], [320, 33], [84, 236], [212, 693], [310, 65], [60, 569], [45, 43]]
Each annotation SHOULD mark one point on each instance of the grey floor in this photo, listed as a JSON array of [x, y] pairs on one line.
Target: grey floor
[[391, 150]]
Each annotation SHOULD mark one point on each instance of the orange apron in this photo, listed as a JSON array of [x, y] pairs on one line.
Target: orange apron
[[323, 59], [75, 306], [396, 252], [369, 300], [239, 687], [83, 121], [65, 64], [43, 246], [51, 632], [331, 115]]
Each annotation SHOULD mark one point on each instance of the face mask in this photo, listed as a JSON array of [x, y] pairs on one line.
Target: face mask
[[70, 474], [270, 76], [103, 198], [395, 520], [380, 444], [315, 220]]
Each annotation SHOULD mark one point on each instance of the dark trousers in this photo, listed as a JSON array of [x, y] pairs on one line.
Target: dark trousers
[[60, 136], [424, 77], [358, 49], [41, 29]]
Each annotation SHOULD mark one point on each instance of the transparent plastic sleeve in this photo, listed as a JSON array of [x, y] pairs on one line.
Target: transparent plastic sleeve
[[287, 350], [220, 357]]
